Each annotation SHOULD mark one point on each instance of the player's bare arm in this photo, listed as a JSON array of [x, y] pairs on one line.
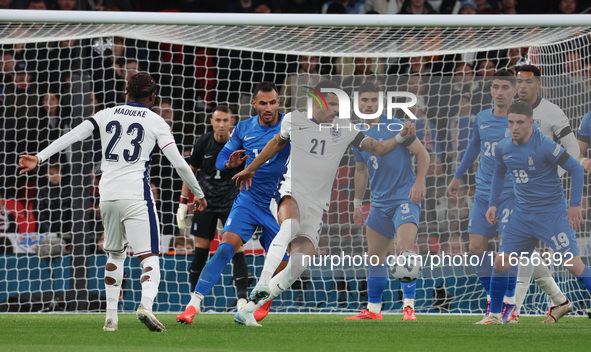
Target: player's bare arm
[[381, 148], [27, 163], [361, 179], [274, 146], [418, 190]]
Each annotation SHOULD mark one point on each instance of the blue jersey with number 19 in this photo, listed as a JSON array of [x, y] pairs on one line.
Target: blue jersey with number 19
[[532, 167], [390, 176]]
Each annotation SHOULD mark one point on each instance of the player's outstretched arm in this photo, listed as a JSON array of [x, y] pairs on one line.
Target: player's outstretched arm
[[79, 133], [361, 178], [27, 163], [418, 190], [381, 148], [274, 146]]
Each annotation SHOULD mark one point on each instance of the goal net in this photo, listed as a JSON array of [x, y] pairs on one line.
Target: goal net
[[56, 69]]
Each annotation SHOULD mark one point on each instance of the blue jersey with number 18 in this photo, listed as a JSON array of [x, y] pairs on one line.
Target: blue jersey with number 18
[[532, 168]]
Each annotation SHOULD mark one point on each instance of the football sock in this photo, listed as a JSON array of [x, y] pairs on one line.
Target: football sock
[[524, 274], [277, 249], [498, 287], [544, 279], [375, 308], [197, 265], [585, 278], [484, 271], [196, 299], [409, 290], [213, 269], [240, 274], [377, 279], [150, 280], [113, 291], [282, 281], [511, 284]]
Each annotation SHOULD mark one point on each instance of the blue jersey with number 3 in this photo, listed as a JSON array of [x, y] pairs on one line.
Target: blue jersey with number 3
[[390, 176]]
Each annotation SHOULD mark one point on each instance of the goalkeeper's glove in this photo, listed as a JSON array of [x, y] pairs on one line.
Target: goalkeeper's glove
[[181, 215]]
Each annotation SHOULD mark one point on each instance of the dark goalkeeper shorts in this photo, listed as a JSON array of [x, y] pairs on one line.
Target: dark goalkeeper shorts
[[205, 224]]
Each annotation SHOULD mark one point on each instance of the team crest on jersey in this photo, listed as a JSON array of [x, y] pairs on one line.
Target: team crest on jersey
[[530, 162], [335, 132]]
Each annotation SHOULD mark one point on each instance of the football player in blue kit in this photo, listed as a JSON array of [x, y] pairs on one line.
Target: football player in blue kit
[[540, 213], [251, 207], [490, 127], [394, 214]]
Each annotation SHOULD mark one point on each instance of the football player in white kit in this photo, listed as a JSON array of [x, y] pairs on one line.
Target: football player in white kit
[[318, 144], [128, 135]]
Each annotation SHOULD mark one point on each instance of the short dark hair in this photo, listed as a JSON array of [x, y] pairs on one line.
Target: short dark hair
[[264, 87], [222, 108], [528, 68], [505, 75], [521, 108], [368, 87], [140, 86], [327, 84]]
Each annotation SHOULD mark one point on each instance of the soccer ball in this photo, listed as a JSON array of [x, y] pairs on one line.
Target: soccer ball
[[407, 265]]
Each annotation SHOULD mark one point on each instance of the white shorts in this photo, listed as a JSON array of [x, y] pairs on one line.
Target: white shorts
[[132, 222], [310, 221]]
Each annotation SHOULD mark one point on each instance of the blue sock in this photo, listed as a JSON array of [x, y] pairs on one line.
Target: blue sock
[[498, 287], [484, 271], [376, 283], [585, 278], [409, 289], [512, 282], [213, 269]]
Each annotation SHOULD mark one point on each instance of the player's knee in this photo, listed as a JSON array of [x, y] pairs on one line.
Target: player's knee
[[226, 251], [109, 280], [476, 248]]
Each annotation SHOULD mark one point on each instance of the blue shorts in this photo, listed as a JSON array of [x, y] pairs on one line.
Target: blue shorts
[[244, 218], [525, 230], [385, 221], [478, 224]]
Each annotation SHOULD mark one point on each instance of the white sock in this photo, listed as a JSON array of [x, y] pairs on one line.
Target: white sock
[[112, 292], [151, 280], [487, 298], [524, 273], [277, 249], [551, 288], [408, 302], [196, 299], [509, 300], [375, 308], [282, 281]]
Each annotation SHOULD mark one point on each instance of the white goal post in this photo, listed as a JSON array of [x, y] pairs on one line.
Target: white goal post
[[81, 59]]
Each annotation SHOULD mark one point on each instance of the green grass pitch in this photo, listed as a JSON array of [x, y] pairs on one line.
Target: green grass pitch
[[289, 332]]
